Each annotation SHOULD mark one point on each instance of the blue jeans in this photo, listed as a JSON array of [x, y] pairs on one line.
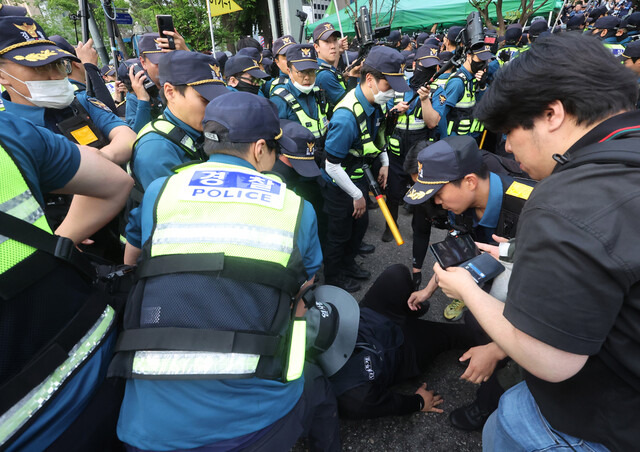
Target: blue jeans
[[518, 425]]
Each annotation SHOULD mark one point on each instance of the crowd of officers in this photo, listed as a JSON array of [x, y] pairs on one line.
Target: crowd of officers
[[239, 179]]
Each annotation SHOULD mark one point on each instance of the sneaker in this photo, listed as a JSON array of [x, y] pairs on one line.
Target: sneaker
[[366, 248], [356, 272], [454, 310], [387, 235], [417, 279], [469, 418], [343, 282]]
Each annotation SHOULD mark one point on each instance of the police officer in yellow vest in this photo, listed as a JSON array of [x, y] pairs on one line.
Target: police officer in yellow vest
[[280, 47], [56, 336], [330, 46], [356, 137], [298, 99], [211, 347]]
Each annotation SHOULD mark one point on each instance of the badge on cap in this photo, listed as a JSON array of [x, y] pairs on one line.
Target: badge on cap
[[31, 30], [328, 27], [286, 40], [306, 52], [215, 70], [36, 56], [310, 148]]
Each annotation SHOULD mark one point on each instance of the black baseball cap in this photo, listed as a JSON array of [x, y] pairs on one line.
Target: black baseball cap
[[248, 118], [8, 10], [633, 20], [394, 36], [332, 328], [537, 27], [513, 33], [391, 64], [484, 53], [324, 31], [302, 157], [631, 51], [607, 23], [409, 57], [422, 37], [149, 48], [240, 64], [23, 41], [576, 21], [447, 160], [281, 44], [453, 33], [200, 71], [252, 53], [107, 70], [444, 57], [63, 44], [404, 42], [302, 56], [427, 55]]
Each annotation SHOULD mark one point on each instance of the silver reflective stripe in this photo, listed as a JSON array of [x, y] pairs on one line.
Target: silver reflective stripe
[[225, 233], [193, 363], [465, 104], [21, 412], [24, 206]]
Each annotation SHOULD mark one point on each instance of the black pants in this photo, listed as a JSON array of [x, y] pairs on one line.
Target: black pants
[[344, 233], [421, 225], [397, 183], [425, 339]]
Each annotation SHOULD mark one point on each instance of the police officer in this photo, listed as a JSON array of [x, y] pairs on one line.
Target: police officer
[[330, 46], [150, 50], [55, 335], [576, 23], [456, 101], [238, 237], [355, 137], [137, 101], [631, 59], [298, 100], [37, 88], [606, 29], [280, 47], [189, 81], [452, 40], [244, 74]]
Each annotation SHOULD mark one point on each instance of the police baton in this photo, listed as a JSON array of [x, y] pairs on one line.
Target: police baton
[[375, 188]]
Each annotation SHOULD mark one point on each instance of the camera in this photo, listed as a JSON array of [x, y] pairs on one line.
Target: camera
[[151, 87]]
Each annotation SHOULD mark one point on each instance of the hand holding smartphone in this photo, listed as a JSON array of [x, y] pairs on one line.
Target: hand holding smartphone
[[165, 23]]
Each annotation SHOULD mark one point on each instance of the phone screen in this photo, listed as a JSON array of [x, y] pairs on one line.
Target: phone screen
[[454, 250], [165, 23]]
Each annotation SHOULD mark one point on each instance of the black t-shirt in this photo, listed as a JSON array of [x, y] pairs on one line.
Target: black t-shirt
[[576, 286]]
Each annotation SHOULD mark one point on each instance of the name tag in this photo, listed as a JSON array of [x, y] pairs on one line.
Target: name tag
[[233, 186]]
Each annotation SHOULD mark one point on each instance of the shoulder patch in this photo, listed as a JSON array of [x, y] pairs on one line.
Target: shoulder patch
[[442, 98], [99, 104]]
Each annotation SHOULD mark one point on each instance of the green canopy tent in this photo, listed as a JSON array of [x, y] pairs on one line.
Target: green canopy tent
[[413, 15]]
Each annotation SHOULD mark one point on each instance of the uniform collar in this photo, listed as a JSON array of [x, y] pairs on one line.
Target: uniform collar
[[367, 107], [230, 160], [32, 113], [193, 133], [494, 203], [322, 62]]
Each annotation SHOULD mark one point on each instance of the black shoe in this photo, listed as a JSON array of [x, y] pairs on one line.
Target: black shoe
[[470, 417], [417, 279], [387, 236], [366, 248], [343, 282], [356, 272]]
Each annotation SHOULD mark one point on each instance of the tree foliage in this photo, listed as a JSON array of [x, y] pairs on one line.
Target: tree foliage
[[525, 11]]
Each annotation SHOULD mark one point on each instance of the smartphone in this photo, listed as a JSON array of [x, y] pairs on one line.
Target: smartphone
[[453, 251], [165, 23], [483, 268]]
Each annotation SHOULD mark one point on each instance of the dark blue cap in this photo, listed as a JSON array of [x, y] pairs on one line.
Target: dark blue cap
[[302, 157], [409, 57], [7, 10], [200, 71], [281, 44], [513, 33], [404, 42], [631, 51], [266, 53], [607, 23], [576, 21], [433, 41], [23, 41], [123, 68], [427, 55], [633, 20], [394, 36], [597, 12], [252, 53], [107, 70], [248, 118], [444, 57], [391, 64], [324, 31], [537, 27], [241, 63], [422, 37], [453, 33], [149, 48], [222, 59], [63, 44], [484, 53], [302, 56], [447, 160]]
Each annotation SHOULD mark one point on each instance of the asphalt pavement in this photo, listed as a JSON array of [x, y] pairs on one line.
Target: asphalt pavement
[[418, 431]]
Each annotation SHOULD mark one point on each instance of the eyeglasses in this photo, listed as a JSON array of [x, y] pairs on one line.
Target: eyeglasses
[[306, 73]]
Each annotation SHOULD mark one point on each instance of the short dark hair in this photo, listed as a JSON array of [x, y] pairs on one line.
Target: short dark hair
[[482, 173], [180, 89], [248, 41], [369, 70], [555, 68]]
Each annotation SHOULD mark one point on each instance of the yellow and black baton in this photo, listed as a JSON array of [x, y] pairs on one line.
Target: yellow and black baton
[[375, 188]]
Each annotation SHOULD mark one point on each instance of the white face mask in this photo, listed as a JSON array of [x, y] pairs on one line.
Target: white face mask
[[302, 88], [382, 97], [47, 93]]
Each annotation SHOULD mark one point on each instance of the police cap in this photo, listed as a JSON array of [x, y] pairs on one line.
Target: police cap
[[248, 118], [302, 158], [484, 53], [394, 36], [447, 160], [422, 37], [391, 64], [513, 33], [281, 44], [149, 48], [240, 64], [404, 42], [222, 58], [538, 27], [252, 53], [607, 23], [631, 51], [324, 31], [633, 20], [107, 70], [23, 41], [453, 33], [200, 71], [409, 57], [576, 21], [427, 55], [63, 44], [444, 57], [7, 10], [302, 56]]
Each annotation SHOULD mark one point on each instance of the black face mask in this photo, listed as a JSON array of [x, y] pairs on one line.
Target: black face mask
[[477, 66], [421, 75], [247, 87]]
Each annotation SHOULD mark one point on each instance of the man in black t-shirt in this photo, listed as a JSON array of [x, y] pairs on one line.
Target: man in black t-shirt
[[572, 314]]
